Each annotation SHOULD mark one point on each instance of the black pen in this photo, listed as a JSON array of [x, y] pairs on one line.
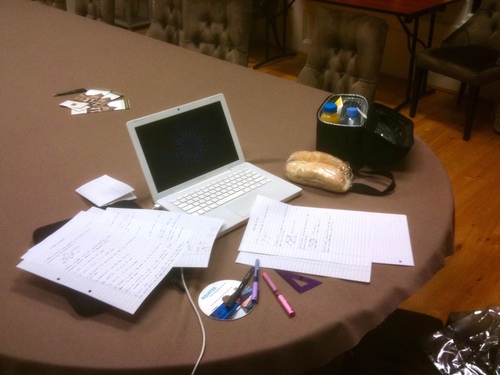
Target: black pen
[[237, 293], [76, 91]]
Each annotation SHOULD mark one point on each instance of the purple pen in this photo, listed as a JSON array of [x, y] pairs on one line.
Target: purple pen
[[255, 286]]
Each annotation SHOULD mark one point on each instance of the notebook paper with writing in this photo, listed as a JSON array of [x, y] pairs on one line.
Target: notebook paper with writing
[[192, 146], [325, 242], [118, 256]]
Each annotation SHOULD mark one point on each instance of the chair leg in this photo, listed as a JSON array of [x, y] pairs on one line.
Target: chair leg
[[461, 92], [470, 111], [417, 89], [274, 26]]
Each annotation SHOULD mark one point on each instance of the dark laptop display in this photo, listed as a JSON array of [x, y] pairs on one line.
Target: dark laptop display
[[187, 145]]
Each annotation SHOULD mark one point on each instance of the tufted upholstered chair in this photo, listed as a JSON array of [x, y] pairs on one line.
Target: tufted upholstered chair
[[166, 21], [101, 10], [346, 53], [471, 55], [59, 4], [218, 28]]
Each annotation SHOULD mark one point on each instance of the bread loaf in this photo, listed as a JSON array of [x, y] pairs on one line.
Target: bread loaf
[[319, 169]]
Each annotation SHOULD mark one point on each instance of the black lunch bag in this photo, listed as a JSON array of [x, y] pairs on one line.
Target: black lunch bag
[[382, 139]]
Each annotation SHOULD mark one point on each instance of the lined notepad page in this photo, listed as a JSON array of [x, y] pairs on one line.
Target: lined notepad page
[[119, 256], [326, 242]]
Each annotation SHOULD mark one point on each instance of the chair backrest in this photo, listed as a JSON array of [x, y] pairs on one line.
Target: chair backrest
[[346, 53], [101, 10], [482, 29], [218, 28], [166, 21], [59, 4]]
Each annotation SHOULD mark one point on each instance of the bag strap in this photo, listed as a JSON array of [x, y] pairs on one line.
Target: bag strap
[[369, 190]]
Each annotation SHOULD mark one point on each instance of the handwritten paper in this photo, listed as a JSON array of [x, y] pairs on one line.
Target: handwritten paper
[[326, 242], [197, 248], [119, 256]]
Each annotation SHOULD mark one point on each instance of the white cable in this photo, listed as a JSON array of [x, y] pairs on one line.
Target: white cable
[[199, 320]]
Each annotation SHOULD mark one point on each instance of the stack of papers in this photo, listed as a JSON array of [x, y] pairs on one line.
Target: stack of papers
[[119, 256], [96, 100], [325, 242]]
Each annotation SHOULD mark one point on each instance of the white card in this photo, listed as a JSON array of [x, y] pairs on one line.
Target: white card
[[106, 190]]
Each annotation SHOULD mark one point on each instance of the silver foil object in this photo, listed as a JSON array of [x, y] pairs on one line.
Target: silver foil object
[[469, 346]]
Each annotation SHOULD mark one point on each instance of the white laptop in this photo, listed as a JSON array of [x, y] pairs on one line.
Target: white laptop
[[184, 149]]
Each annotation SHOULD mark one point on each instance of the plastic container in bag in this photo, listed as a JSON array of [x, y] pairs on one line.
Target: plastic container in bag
[[352, 116], [330, 113]]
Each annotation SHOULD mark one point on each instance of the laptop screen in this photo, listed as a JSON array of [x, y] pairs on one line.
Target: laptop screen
[[186, 145]]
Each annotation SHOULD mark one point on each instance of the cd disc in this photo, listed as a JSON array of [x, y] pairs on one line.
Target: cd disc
[[213, 298]]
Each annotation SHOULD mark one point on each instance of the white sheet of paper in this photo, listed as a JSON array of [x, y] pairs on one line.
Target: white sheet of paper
[[106, 190], [354, 272], [116, 256], [391, 242], [199, 246], [280, 229], [326, 242]]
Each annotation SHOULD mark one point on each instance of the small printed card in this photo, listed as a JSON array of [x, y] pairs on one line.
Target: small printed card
[[96, 100], [106, 190]]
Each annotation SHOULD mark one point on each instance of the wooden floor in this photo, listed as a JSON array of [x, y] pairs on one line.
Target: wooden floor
[[470, 280]]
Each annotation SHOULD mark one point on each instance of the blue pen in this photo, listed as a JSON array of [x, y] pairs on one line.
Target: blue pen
[[255, 287], [224, 313]]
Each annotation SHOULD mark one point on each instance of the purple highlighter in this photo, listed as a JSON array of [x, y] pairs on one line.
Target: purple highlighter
[[255, 287]]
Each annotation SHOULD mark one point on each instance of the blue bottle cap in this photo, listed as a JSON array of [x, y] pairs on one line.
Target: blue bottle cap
[[330, 107], [351, 111]]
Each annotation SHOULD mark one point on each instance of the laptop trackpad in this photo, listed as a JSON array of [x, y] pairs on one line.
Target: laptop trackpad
[[242, 206]]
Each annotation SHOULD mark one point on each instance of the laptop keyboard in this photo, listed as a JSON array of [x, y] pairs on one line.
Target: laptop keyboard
[[220, 192]]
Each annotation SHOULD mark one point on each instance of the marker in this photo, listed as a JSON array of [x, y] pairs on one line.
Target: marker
[[281, 298], [225, 313], [76, 91], [238, 291], [255, 286]]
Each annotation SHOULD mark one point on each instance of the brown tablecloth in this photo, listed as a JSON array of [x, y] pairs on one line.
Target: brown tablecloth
[[46, 154]]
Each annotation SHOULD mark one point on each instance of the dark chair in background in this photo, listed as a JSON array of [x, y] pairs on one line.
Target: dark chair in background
[[166, 21], [271, 11], [101, 10], [470, 55], [267, 9], [218, 28], [346, 53]]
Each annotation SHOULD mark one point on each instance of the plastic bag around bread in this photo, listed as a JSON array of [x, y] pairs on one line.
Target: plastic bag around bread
[[319, 169]]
